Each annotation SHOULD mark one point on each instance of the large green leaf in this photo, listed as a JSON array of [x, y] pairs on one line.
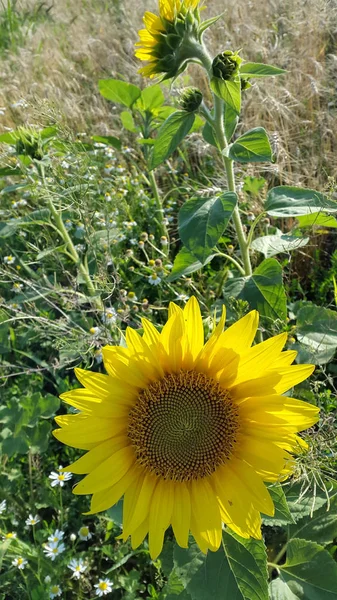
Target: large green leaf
[[229, 91], [286, 201], [310, 572], [270, 245], [237, 571], [282, 513], [316, 329], [252, 146], [250, 69], [185, 263], [170, 134], [319, 527], [263, 290], [128, 121], [151, 98], [316, 219], [202, 222], [279, 590], [119, 91]]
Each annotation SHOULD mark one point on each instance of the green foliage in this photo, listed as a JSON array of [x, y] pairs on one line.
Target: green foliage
[[119, 91], [250, 69], [271, 245], [170, 135], [202, 221], [252, 146], [285, 201]]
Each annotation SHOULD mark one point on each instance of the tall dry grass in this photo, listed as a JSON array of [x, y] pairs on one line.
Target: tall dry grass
[[80, 42]]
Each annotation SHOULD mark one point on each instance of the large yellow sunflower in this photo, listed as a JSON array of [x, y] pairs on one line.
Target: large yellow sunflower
[[161, 42], [187, 431]]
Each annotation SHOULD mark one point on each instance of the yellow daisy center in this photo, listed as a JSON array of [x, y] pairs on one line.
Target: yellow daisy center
[[184, 426]]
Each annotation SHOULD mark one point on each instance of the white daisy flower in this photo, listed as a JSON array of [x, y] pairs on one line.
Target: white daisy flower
[[103, 587], [84, 533], [94, 330], [9, 260], [182, 297], [54, 591], [10, 535], [154, 279], [53, 549], [60, 477], [77, 566], [2, 506], [109, 316], [32, 520], [20, 562], [56, 537], [17, 287]]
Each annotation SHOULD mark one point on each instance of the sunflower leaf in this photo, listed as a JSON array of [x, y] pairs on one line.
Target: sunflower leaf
[[170, 134], [310, 573], [119, 91], [202, 221], [286, 201], [186, 263], [263, 290]]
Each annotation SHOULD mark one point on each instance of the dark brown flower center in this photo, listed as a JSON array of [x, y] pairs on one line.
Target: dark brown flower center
[[183, 426]]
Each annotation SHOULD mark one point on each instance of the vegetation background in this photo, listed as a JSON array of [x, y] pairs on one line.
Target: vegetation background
[[51, 58]]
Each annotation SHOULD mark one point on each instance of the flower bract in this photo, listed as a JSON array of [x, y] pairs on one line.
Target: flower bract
[[188, 431]]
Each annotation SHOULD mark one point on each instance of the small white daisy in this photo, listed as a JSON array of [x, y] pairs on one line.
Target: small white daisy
[[103, 587], [94, 330], [84, 533], [154, 279], [109, 316], [9, 260], [54, 591], [182, 297], [2, 506], [20, 562], [52, 550], [17, 287], [56, 537], [10, 535], [78, 567], [60, 477], [47, 579], [32, 520]]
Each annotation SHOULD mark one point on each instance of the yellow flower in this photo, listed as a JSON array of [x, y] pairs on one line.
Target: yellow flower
[[187, 431], [164, 41]]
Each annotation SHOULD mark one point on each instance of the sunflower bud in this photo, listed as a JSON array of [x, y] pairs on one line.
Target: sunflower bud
[[226, 65], [190, 99]]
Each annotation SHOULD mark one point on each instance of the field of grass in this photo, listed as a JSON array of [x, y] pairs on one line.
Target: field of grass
[[92, 240]]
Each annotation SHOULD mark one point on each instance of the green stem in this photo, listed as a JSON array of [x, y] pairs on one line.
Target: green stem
[[71, 250], [156, 196], [233, 261], [252, 228]]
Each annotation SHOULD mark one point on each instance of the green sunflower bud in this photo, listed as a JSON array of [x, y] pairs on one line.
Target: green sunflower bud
[[190, 99], [226, 65]]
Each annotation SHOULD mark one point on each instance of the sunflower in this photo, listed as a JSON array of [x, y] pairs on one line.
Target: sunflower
[[163, 41], [187, 431]]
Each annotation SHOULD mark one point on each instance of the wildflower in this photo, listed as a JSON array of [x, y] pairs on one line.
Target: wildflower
[[77, 566], [56, 537], [133, 241], [59, 478], [84, 533], [20, 562], [10, 535], [154, 279], [141, 244], [2, 506], [132, 297], [168, 41], [53, 549], [68, 224], [54, 591], [109, 317], [80, 248], [17, 287], [163, 240], [98, 356], [173, 466], [103, 587], [9, 260], [250, 216], [129, 253], [72, 537], [32, 520], [94, 330], [182, 297]]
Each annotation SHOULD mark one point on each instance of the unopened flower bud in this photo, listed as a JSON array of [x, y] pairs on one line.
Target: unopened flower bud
[[158, 262], [190, 99], [226, 65], [266, 221], [144, 236]]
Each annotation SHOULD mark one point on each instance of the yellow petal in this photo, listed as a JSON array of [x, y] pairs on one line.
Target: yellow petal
[[252, 486], [160, 515], [91, 431], [109, 472], [241, 334], [120, 364], [264, 456], [285, 359], [181, 515], [97, 455], [206, 514], [259, 358], [139, 534], [107, 498], [87, 402], [171, 339], [194, 336], [141, 509], [290, 376]]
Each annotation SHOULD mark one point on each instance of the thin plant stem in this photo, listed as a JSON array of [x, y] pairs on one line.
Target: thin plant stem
[[156, 196], [61, 508], [30, 471]]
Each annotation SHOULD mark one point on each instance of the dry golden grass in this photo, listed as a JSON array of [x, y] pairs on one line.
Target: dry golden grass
[[80, 42]]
